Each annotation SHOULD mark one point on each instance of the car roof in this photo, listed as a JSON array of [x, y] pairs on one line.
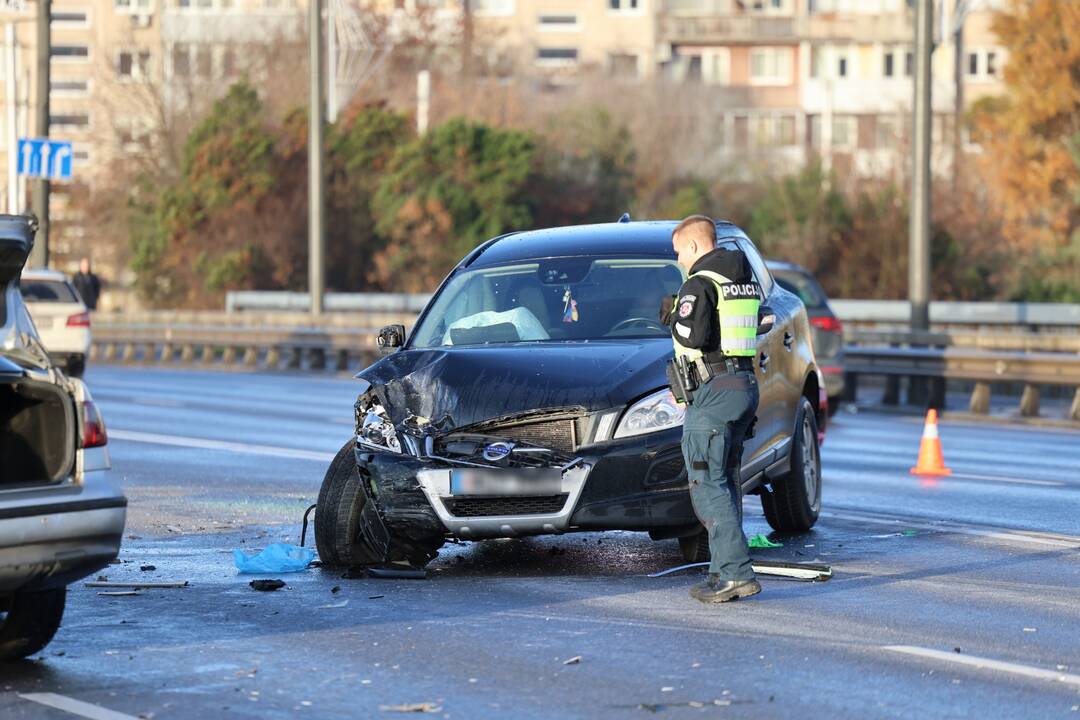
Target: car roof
[[788, 266], [649, 238], [44, 274]]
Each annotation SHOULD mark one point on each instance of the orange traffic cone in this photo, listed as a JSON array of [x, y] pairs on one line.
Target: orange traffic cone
[[931, 461]]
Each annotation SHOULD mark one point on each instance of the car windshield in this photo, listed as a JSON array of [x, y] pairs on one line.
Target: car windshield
[[803, 286], [560, 299], [56, 291]]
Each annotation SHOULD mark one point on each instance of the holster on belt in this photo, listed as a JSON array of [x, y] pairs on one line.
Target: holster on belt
[[682, 380]]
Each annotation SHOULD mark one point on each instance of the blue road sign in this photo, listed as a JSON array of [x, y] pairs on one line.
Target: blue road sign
[[50, 159]]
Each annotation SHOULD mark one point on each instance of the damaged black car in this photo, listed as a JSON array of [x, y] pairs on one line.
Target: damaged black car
[[531, 398]]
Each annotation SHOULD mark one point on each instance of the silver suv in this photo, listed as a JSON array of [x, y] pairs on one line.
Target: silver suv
[[61, 513]]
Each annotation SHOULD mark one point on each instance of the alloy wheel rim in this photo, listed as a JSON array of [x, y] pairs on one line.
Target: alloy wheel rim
[[810, 465]]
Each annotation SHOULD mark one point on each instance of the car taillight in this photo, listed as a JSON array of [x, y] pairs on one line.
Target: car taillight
[[79, 320], [827, 324], [94, 434]]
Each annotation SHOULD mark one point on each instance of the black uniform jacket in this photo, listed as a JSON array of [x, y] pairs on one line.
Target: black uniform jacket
[[694, 321]]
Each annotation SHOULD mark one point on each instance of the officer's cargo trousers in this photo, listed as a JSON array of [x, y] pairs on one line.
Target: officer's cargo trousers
[[713, 434]]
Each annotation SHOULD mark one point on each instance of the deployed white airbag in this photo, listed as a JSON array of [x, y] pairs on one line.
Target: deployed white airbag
[[526, 324]]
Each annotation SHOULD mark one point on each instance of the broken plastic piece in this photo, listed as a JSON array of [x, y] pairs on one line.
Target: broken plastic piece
[[759, 541], [138, 585], [412, 708], [573, 661], [276, 558], [266, 585]]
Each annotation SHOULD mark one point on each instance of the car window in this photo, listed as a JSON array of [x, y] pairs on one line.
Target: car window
[[761, 272], [552, 300], [803, 286], [56, 291]]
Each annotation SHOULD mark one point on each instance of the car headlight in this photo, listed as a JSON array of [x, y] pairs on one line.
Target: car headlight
[[374, 429], [659, 411]]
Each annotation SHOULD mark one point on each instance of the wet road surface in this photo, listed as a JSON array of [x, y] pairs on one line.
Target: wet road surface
[[954, 598]]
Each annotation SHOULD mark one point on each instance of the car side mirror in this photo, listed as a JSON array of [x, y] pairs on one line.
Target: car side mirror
[[766, 320], [390, 338]]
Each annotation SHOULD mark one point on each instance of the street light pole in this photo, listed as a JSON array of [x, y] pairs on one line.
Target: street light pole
[[40, 255], [919, 236], [316, 175]]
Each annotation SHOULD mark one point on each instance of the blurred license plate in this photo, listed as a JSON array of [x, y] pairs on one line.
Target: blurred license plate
[[531, 481]]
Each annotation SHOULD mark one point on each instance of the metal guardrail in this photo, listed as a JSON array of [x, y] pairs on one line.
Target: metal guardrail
[[1032, 369], [898, 312], [986, 340], [269, 348]]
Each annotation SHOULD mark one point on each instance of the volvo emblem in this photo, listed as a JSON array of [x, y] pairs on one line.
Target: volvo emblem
[[498, 450]]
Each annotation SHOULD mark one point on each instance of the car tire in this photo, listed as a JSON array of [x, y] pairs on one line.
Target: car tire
[[30, 620], [795, 501], [337, 516], [695, 548]]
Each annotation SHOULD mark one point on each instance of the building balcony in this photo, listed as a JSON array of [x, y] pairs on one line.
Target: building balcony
[[717, 30]]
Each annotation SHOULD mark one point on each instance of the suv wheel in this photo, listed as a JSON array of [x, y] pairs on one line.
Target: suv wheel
[[795, 500], [695, 548], [28, 621], [337, 517]]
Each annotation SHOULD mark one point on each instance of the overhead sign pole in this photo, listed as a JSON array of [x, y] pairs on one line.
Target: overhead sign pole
[[919, 235], [14, 202], [316, 178], [40, 256]]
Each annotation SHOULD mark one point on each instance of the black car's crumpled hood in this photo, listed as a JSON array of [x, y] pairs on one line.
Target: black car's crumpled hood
[[475, 384]]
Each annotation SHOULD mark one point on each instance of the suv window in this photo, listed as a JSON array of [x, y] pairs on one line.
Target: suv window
[[56, 291], [764, 279]]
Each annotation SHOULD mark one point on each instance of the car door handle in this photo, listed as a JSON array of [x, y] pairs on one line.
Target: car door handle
[[788, 340], [763, 361]]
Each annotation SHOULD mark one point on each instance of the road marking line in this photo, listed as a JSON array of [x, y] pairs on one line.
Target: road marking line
[[986, 663], [75, 707], [207, 444], [1016, 481], [1017, 536]]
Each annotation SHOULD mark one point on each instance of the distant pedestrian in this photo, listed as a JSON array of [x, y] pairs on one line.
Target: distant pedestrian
[[87, 283]]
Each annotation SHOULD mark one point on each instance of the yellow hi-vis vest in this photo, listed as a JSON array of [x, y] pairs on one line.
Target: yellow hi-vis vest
[[738, 321]]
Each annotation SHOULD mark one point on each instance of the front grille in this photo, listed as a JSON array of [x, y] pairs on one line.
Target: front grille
[[555, 435], [483, 507]]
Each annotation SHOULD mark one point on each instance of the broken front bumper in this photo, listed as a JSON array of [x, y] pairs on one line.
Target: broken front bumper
[[634, 484]]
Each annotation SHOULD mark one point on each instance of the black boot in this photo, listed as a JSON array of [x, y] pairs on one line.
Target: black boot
[[715, 590]]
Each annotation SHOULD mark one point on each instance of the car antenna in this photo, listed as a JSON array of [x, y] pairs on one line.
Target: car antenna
[[625, 218]]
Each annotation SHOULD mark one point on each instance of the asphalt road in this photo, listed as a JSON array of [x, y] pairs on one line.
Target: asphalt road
[[955, 598]]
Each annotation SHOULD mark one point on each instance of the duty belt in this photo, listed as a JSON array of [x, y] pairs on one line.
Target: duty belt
[[708, 369]]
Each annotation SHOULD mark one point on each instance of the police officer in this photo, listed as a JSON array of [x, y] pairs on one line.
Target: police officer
[[714, 322]]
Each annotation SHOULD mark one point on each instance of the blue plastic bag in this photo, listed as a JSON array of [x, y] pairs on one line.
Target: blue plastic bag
[[276, 558]]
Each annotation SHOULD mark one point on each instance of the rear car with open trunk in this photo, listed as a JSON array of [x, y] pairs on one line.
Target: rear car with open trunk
[[61, 511]]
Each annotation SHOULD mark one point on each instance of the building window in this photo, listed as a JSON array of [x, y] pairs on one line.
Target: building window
[[909, 63], [843, 131], [841, 67], [70, 53], [69, 120], [886, 131], [770, 65], [133, 6], [132, 64], [75, 19], [625, 6], [181, 60], [623, 65], [556, 56], [716, 66], [69, 87], [973, 64], [817, 58], [493, 8], [767, 131], [991, 64], [558, 23], [889, 64]]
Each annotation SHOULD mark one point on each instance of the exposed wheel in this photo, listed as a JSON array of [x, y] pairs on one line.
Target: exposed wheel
[[795, 500], [28, 621], [695, 548], [337, 517]]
